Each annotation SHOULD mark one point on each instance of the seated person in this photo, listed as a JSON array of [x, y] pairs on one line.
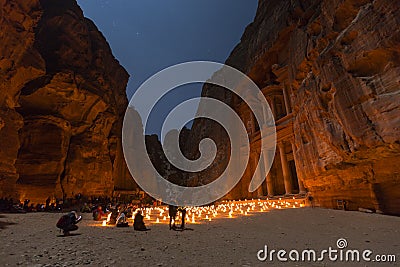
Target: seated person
[[85, 208], [138, 223], [121, 220], [113, 217], [98, 214]]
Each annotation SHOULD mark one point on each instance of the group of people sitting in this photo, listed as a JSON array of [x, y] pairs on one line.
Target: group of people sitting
[[68, 222], [118, 216], [11, 206], [7, 205]]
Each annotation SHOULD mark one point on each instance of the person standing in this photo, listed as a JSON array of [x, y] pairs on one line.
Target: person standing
[[183, 211], [172, 211]]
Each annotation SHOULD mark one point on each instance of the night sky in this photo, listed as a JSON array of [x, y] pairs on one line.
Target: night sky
[[147, 36]]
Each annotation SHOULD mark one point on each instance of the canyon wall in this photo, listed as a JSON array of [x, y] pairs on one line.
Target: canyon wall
[[62, 100], [339, 64]]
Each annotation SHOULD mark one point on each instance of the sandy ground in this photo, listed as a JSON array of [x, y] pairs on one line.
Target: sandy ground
[[32, 240]]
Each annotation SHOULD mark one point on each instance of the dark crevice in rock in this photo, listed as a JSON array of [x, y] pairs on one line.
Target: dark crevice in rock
[[34, 85]]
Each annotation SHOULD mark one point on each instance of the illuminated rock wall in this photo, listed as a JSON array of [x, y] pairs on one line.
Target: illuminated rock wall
[[338, 62], [62, 98]]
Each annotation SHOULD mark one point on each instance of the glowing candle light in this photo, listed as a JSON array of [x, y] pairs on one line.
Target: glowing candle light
[[226, 209]]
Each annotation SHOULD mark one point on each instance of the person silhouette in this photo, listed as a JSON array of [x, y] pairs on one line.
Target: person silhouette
[[172, 211], [67, 223], [138, 222], [183, 211]]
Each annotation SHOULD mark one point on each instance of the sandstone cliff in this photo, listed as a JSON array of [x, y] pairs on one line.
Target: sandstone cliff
[[62, 99], [339, 62]]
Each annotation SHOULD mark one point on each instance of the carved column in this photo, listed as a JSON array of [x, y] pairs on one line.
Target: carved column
[[285, 169], [302, 190], [270, 185], [286, 99], [268, 177], [258, 174], [273, 107]]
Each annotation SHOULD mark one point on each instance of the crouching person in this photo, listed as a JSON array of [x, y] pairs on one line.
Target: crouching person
[[67, 223]]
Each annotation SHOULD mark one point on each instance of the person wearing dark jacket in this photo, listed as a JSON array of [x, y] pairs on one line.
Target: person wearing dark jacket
[[68, 222], [172, 212], [138, 222]]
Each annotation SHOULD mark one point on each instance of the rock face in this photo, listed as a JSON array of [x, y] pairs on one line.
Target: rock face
[[337, 64], [159, 160], [62, 100]]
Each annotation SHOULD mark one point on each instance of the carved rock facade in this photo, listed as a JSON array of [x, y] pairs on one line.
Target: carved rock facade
[[331, 73]]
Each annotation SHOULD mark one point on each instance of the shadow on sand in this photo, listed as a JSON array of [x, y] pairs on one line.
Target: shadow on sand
[[70, 235], [181, 230], [3, 225]]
